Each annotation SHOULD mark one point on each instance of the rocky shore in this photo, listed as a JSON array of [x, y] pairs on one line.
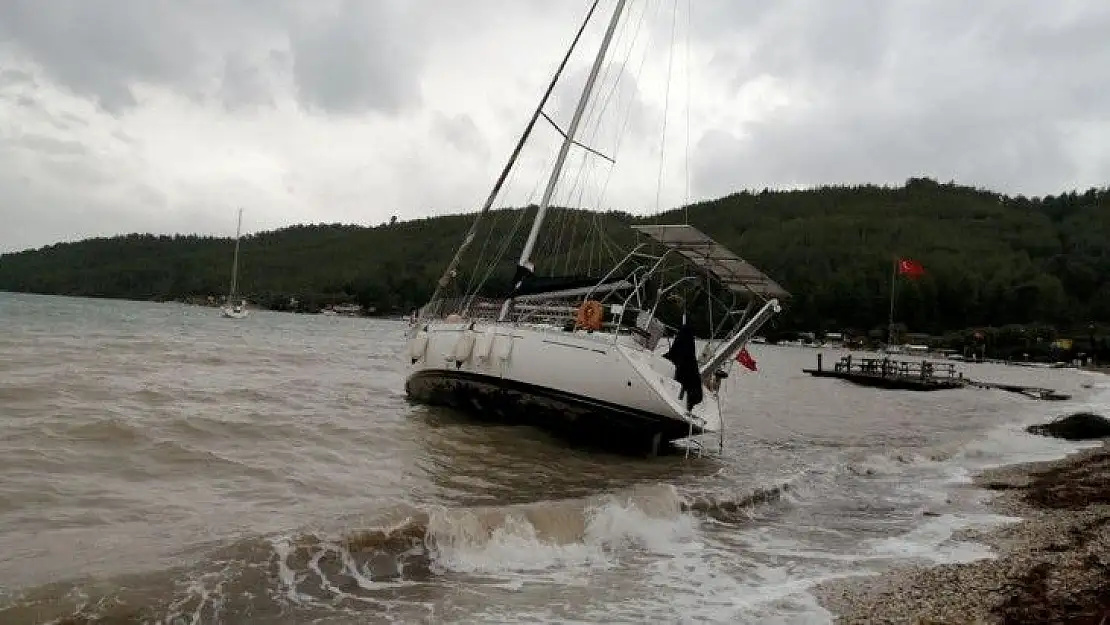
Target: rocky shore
[[1053, 567]]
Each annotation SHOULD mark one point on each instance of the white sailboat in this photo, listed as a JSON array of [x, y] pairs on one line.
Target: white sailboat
[[589, 358], [235, 307]]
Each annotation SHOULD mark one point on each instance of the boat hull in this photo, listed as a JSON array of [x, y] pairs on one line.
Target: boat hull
[[233, 314], [581, 387]]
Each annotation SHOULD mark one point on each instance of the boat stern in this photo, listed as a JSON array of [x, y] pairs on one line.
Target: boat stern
[[705, 417]]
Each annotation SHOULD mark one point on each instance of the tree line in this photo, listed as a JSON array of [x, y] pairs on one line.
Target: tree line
[[991, 260]]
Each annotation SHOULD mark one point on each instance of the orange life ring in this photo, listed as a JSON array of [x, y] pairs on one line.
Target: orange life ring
[[590, 315]]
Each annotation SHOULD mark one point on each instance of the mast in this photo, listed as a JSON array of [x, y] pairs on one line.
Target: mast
[[445, 279], [568, 138], [893, 285], [235, 262]]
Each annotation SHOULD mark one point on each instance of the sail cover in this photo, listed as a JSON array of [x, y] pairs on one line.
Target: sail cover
[[533, 284], [715, 259]]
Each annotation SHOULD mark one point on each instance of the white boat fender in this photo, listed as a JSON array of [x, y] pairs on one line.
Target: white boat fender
[[464, 347], [484, 347], [504, 348], [418, 346]]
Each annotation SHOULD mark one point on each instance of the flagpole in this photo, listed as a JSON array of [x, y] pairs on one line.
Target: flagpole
[[893, 285]]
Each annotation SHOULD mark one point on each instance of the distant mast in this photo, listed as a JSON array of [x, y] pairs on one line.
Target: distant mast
[[235, 261], [893, 290]]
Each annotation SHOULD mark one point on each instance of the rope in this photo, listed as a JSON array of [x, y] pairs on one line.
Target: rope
[[721, 414], [689, 435]]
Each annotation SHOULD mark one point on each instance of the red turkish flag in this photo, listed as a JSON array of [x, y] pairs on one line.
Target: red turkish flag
[[910, 268], [746, 359]]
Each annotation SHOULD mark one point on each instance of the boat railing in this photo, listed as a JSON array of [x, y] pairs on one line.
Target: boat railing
[[634, 314], [557, 312], [489, 309]]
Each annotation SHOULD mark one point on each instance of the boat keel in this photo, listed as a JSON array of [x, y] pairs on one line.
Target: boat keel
[[571, 417]]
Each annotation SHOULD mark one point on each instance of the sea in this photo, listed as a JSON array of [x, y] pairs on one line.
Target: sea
[[160, 464]]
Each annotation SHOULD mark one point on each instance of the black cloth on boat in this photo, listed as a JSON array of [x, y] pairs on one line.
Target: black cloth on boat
[[683, 354], [523, 274], [527, 283], [545, 284]]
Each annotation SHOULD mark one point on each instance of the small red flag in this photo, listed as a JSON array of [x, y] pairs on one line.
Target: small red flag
[[746, 359], [910, 268]]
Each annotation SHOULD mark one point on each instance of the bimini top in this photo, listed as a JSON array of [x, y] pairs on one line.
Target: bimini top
[[715, 259]]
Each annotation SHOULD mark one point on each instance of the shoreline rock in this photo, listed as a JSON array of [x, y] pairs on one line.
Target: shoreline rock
[[1052, 567], [1081, 426]]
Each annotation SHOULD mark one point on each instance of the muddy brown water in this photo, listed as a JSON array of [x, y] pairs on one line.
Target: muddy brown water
[[160, 464]]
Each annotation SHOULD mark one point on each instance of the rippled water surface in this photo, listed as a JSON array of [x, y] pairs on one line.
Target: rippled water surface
[[160, 464]]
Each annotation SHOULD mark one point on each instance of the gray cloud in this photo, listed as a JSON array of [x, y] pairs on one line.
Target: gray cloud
[[50, 146], [100, 48], [358, 58], [345, 56], [247, 82], [37, 211], [462, 133], [15, 78], [896, 89], [1008, 94], [616, 112]]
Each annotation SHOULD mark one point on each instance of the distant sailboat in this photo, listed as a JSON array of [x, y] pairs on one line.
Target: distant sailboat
[[235, 307]]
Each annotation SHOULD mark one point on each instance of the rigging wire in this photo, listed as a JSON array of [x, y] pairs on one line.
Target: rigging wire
[[599, 242], [621, 134], [498, 218], [476, 283], [450, 271], [552, 247], [689, 79], [586, 170], [508, 240], [666, 108]]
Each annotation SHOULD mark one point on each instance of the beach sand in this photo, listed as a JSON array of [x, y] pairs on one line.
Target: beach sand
[[1053, 567]]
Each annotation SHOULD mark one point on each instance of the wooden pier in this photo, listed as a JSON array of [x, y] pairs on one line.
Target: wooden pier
[[1034, 392], [906, 375], [917, 375]]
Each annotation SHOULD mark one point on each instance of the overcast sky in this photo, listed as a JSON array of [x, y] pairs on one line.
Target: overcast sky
[[164, 115]]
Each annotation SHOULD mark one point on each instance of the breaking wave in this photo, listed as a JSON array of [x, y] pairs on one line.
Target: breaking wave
[[374, 572]]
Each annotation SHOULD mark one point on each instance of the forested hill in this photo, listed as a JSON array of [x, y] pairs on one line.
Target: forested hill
[[990, 259]]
